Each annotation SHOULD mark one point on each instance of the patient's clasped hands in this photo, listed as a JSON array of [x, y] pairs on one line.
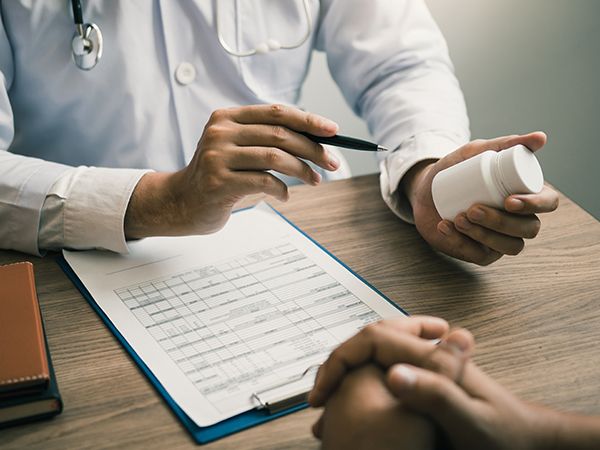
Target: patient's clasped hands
[[392, 386]]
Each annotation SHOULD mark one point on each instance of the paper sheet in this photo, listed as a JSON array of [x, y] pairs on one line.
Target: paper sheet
[[217, 318]]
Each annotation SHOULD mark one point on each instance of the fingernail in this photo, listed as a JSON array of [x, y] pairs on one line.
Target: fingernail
[[457, 343], [477, 214], [515, 204], [463, 222], [444, 229], [316, 178], [329, 125], [462, 338], [334, 163], [403, 377]]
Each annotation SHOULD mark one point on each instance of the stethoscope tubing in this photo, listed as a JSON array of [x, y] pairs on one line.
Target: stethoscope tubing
[[277, 46], [87, 44]]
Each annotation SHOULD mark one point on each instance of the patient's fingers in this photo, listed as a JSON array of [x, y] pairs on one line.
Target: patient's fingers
[[386, 343]]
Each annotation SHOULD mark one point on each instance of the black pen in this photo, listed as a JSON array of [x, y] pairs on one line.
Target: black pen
[[346, 142]]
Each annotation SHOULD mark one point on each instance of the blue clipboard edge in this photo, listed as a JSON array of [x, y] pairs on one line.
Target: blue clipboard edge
[[343, 264], [204, 435]]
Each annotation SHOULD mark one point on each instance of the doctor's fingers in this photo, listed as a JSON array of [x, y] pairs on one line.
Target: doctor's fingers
[[286, 116], [247, 183], [377, 343], [519, 226], [498, 241], [543, 202], [534, 141], [288, 141], [271, 158], [458, 245]]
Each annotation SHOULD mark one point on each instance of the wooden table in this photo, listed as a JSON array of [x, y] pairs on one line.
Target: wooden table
[[536, 318]]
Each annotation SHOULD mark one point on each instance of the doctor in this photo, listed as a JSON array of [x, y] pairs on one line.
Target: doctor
[[141, 124]]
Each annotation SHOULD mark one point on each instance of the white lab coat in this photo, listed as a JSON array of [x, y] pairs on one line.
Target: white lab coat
[[135, 111]]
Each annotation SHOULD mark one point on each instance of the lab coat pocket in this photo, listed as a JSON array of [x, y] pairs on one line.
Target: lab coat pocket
[[276, 75]]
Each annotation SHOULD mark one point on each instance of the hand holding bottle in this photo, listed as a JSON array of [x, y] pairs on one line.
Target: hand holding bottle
[[482, 234]]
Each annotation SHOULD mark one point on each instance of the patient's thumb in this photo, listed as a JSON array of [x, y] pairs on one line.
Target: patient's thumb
[[429, 393]]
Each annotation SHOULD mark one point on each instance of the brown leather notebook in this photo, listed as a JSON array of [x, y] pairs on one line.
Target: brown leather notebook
[[23, 359]]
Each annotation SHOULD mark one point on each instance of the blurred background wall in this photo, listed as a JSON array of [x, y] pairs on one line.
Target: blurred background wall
[[523, 66]]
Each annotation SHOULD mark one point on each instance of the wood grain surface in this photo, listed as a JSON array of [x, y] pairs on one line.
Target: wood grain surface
[[536, 318]]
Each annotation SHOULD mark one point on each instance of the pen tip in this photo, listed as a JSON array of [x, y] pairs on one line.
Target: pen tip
[[382, 149]]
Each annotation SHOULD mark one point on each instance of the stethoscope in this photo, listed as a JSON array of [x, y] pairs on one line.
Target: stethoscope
[[87, 43], [270, 45]]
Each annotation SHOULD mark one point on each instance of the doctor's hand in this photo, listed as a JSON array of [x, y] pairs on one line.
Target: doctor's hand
[[237, 148], [483, 234]]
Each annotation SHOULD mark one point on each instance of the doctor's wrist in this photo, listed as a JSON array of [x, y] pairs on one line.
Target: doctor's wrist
[[414, 178], [153, 209]]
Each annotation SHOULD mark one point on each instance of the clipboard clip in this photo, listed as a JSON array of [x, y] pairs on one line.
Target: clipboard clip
[[275, 404]]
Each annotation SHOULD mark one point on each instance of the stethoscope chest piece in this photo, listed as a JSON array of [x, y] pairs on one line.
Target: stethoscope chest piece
[[87, 46]]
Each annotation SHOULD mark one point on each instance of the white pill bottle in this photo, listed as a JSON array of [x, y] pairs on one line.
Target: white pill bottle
[[488, 179]]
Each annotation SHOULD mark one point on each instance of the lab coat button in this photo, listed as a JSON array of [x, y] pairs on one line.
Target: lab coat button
[[185, 73]]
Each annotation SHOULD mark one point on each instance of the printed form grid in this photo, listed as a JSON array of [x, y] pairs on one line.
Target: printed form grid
[[245, 323]]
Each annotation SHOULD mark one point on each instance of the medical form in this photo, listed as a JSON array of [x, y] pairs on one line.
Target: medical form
[[218, 318]]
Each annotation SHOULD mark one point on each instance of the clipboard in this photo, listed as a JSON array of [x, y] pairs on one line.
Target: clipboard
[[271, 407]]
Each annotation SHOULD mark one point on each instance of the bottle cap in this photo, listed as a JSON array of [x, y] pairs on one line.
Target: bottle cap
[[520, 171]]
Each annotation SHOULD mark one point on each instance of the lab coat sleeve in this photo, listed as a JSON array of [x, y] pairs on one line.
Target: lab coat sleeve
[[45, 205], [391, 62], [85, 208]]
